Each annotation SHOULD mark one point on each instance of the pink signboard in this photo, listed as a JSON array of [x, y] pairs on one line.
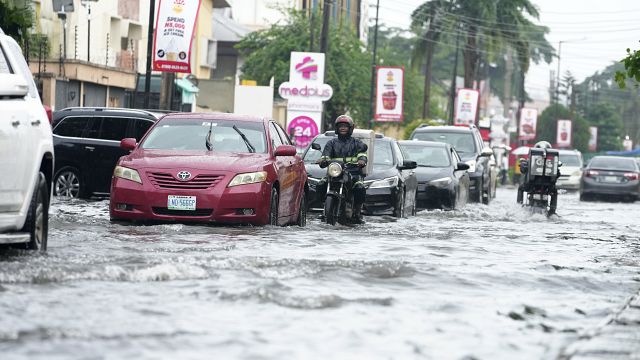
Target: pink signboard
[[304, 129], [389, 93]]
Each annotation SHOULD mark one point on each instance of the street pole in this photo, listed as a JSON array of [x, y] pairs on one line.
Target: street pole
[[89, 32], [452, 91], [324, 45], [373, 71], [147, 78]]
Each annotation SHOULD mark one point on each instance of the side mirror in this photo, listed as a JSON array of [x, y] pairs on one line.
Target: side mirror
[[486, 152], [128, 144], [285, 150], [408, 165], [316, 146], [462, 166], [559, 163]]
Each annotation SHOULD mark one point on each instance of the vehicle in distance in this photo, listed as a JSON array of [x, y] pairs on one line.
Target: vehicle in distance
[[608, 177], [571, 170]]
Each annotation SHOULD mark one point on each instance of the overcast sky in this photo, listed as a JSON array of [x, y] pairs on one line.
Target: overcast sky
[[594, 33]]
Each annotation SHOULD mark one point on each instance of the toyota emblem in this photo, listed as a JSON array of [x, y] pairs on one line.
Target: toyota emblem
[[184, 175]]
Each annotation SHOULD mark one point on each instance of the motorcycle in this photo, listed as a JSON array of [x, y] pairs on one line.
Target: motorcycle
[[339, 202], [540, 175]]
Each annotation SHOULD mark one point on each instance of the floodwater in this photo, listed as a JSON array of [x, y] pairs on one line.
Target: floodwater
[[486, 282]]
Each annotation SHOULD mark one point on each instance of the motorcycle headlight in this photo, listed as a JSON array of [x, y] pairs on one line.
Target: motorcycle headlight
[[334, 170], [126, 173], [248, 178], [472, 166], [388, 182], [441, 182]]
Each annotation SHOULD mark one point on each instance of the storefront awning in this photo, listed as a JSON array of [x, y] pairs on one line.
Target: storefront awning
[[188, 89]]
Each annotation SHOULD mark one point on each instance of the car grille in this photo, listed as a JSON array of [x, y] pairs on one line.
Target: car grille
[[196, 212], [167, 181]]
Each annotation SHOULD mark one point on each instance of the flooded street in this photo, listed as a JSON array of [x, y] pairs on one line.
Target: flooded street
[[486, 282]]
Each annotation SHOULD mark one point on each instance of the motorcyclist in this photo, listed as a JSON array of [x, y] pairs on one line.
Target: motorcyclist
[[525, 186], [354, 151]]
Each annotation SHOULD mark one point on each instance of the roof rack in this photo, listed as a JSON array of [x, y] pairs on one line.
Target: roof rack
[[102, 108], [379, 136]]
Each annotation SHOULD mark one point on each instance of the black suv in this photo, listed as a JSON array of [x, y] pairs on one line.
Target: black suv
[[468, 143], [86, 142]]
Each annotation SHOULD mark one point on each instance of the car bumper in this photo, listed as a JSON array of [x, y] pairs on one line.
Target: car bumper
[[380, 200], [133, 201], [568, 183], [592, 187], [429, 197]]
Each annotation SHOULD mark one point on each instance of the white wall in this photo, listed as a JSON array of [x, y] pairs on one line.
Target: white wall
[[259, 14]]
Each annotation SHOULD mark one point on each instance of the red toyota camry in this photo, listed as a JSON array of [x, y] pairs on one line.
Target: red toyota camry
[[211, 168]]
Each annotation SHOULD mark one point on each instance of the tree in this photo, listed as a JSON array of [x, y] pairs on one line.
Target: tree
[[15, 21], [609, 126], [547, 126], [268, 52], [632, 66]]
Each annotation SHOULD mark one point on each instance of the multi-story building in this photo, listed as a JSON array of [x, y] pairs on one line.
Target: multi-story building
[[97, 48]]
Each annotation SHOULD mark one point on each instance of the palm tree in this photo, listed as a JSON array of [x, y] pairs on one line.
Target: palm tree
[[427, 22]]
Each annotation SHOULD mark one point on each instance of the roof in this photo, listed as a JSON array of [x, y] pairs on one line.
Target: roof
[[106, 110], [215, 116], [226, 29], [447, 128], [423, 143]]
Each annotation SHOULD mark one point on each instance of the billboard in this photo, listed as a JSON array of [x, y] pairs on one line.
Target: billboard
[[528, 122], [563, 134], [175, 22], [593, 138], [389, 93], [466, 107]]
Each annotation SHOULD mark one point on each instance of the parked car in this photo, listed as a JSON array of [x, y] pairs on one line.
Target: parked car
[[610, 177], [467, 141], [211, 167], [571, 170], [26, 153], [443, 180], [87, 145], [391, 186]]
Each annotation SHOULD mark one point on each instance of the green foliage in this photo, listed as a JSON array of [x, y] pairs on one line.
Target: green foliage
[[547, 126], [632, 67], [39, 46], [15, 21], [408, 129], [347, 69], [609, 123]]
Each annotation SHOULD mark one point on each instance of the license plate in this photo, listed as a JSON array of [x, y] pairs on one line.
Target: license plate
[[177, 202], [611, 178]]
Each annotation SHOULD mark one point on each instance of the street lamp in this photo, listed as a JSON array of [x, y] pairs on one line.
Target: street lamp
[[87, 4], [558, 74]]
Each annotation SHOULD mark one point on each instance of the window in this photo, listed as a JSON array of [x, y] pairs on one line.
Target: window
[[275, 138], [464, 142], [311, 156], [283, 135], [5, 68], [23, 69], [71, 127], [140, 128], [382, 153], [114, 128], [93, 129]]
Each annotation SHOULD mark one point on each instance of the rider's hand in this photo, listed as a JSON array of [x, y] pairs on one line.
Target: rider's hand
[[323, 163], [361, 163]]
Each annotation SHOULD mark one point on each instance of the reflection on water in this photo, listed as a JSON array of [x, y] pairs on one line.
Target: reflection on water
[[483, 282]]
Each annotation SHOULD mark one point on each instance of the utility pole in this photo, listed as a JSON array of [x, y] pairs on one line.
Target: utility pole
[[452, 91], [147, 78], [324, 45], [312, 17], [373, 71]]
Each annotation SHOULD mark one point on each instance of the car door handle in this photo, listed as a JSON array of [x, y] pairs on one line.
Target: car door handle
[[35, 123], [15, 123], [90, 148]]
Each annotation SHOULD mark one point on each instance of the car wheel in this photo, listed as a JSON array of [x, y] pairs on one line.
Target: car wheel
[[584, 197], [480, 190], [67, 182], [302, 211], [37, 223], [398, 210], [486, 197], [273, 208]]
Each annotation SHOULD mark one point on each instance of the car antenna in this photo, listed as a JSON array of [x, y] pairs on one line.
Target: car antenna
[[207, 139]]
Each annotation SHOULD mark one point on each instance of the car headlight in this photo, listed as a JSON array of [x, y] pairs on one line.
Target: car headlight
[[248, 178], [388, 182], [472, 166], [334, 169], [441, 182], [126, 173]]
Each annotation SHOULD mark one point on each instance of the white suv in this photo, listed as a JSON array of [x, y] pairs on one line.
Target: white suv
[[26, 153]]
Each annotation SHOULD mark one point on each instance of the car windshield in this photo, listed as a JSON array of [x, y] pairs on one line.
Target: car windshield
[[311, 156], [613, 163], [570, 160], [191, 134], [427, 155], [462, 141], [382, 153]]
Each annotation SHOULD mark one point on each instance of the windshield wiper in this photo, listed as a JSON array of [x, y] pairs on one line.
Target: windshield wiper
[[419, 165], [244, 137], [207, 139]]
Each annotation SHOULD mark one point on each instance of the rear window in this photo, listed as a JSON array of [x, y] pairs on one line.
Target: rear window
[[462, 141], [71, 127], [570, 160], [613, 164]]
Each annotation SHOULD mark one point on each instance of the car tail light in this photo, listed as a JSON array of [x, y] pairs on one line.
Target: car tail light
[[47, 108], [631, 176], [591, 173]]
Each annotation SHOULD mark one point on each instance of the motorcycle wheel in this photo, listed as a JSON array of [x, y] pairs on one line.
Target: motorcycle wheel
[[330, 210]]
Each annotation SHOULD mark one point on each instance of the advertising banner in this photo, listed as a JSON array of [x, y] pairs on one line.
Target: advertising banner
[[627, 144], [563, 136], [466, 107], [593, 138], [175, 22], [305, 91], [389, 93], [528, 122]]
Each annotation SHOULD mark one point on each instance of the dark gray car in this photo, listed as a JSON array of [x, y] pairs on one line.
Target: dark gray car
[[608, 177]]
